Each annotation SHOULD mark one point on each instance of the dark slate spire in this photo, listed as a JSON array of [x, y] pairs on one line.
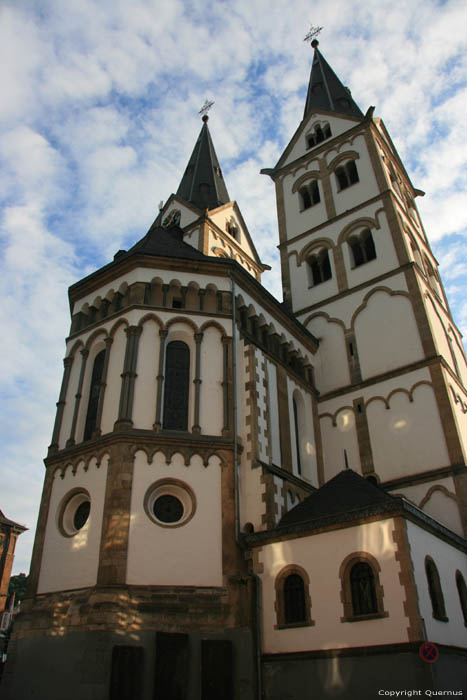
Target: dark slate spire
[[325, 90], [203, 184]]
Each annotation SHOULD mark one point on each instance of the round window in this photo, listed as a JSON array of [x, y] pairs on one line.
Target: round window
[[73, 513], [170, 503]]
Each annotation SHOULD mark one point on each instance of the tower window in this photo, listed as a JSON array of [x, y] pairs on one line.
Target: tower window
[[363, 248], [94, 393], [309, 195], [177, 377], [319, 267], [435, 590], [320, 134], [346, 175]]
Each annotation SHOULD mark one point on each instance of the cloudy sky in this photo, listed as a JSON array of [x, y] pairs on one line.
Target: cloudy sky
[[99, 115]]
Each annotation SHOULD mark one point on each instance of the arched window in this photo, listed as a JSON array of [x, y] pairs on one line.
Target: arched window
[[363, 248], [297, 435], [177, 379], [435, 590], [320, 134], [309, 195], [320, 267], [346, 175], [94, 393], [462, 590], [362, 586], [293, 604], [361, 594]]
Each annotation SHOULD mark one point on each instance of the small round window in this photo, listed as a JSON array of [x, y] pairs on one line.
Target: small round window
[[73, 513], [170, 503]]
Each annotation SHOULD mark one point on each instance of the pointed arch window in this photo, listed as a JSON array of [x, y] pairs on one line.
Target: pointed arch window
[[94, 393], [346, 175], [462, 591], [435, 590], [309, 195], [363, 248], [177, 382], [319, 267]]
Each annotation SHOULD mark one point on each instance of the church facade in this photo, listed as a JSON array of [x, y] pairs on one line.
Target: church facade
[[252, 499]]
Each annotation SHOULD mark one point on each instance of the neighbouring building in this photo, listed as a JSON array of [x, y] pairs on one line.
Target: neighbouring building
[[9, 533], [245, 498]]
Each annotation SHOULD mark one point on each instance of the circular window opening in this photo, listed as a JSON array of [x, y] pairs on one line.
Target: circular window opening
[[170, 503], [74, 513]]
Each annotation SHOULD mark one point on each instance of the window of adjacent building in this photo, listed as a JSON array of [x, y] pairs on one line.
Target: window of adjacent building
[[435, 590], [462, 591], [318, 135], [363, 591], [362, 247], [94, 393], [346, 175], [319, 267], [309, 195], [176, 391]]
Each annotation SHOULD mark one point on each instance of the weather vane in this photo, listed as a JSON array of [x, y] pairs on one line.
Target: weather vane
[[206, 107], [313, 33]]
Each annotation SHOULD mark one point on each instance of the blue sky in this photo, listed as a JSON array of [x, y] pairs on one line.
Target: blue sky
[[99, 115]]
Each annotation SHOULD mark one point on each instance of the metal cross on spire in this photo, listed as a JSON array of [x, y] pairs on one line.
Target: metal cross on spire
[[312, 34], [205, 109]]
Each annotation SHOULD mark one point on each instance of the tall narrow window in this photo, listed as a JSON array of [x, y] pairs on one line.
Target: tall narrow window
[[94, 392], [362, 586], [435, 590], [320, 267], [177, 378], [294, 600], [297, 436], [462, 590]]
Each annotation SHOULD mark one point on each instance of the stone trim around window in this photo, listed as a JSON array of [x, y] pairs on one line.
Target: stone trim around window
[[279, 602], [346, 592]]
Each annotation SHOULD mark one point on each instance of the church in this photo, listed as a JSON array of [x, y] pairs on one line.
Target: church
[[252, 499]]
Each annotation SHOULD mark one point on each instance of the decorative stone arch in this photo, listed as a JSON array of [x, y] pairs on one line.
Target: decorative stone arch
[[75, 347], [363, 223], [213, 324], [367, 297], [279, 604], [219, 253], [399, 390], [151, 317], [342, 158], [432, 490], [311, 247], [303, 179], [346, 589], [116, 326], [327, 317], [209, 454], [184, 453], [184, 320], [95, 334], [377, 398]]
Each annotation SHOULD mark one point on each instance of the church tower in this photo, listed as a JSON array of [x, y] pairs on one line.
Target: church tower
[[359, 273]]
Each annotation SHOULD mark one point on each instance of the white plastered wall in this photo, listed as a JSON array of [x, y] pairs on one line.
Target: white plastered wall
[[339, 437], [338, 126], [147, 369], [69, 407], [362, 190], [72, 562], [448, 560], [307, 442], [312, 554], [331, 366], [211, 395], [438, 499], [189, 555], [114, 381]]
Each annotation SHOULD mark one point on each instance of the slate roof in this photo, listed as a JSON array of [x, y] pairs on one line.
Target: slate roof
[[11, 523], [165, 242], [348, 491], [325, 90], [202, 183]]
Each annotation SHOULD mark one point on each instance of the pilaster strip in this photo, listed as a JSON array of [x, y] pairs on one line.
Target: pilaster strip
[[108, 343], [415, 629], [397, 234], [446, 415], [375, 160], [420, 312], [67, 362], [282, 224], [160, 381], [318, 441], [352, 357], [196, 429], [363, 436], [84, 356], [39, 539], [125, 409], [341, 274], [227, 385], [327, 189], [460, 485]]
